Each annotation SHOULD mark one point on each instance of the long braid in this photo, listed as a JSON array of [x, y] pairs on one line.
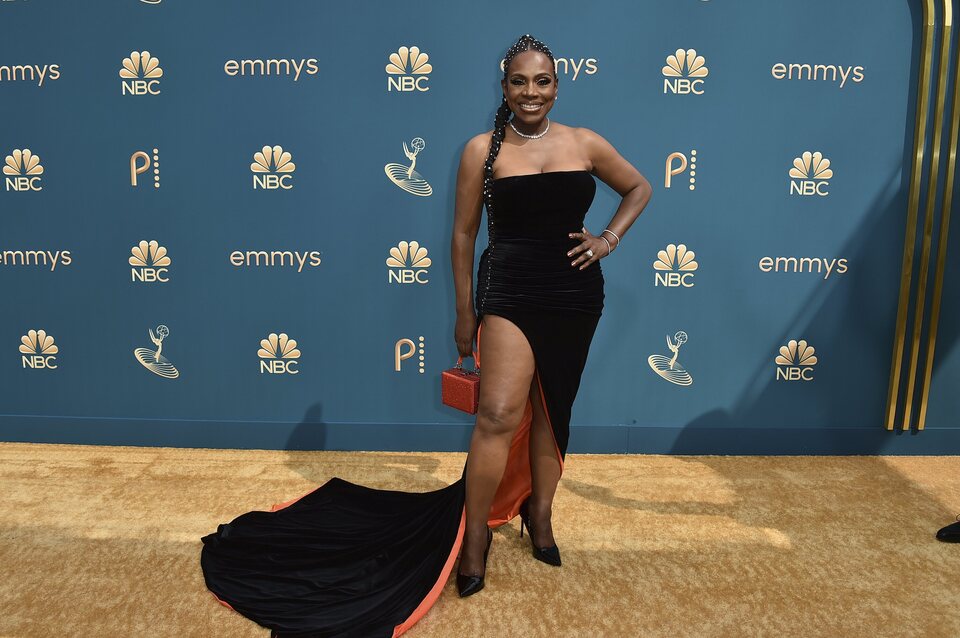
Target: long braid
[[526, 42]]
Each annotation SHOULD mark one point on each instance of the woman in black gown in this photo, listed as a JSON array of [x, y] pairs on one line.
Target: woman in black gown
[[348, 560]]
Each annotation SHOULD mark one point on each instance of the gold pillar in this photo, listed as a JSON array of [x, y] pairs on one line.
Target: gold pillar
[[929, 35]]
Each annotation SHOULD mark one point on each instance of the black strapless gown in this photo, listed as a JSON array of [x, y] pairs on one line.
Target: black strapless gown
[[346, 560]]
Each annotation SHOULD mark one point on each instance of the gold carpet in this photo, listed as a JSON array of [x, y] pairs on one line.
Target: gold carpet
[[105, 541]]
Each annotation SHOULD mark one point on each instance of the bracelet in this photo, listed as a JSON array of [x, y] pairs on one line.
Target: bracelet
[[608, 244], [607, 230]]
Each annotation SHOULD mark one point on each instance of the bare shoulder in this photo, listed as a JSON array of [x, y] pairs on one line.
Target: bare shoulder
[[475, 154], [591, 140]]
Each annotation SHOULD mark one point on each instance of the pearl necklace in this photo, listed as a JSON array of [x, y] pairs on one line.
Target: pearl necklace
[[531, 137]]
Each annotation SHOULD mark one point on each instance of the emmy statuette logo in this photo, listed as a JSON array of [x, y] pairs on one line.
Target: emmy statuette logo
[[684, 73], [141, 74], [22, 171], [405, 349], [150, 262], [795, 361], [278, 354], [405, 176], [37, 351], [141, 162], [272, 169], [669, 368], [675, 267], [408, 264], [154, 361], [676, 164], [809, 174], [408, 70]]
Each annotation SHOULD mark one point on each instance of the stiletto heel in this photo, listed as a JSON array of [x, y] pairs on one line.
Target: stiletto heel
[[467, 584], [549, 555]]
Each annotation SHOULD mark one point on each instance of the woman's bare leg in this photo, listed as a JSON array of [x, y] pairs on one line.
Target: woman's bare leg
[[507, 362], [545, 470]]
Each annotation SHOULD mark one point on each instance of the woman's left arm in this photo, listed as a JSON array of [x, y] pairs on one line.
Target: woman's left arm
[[621, 176]]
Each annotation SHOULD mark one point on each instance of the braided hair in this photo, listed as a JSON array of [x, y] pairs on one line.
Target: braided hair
[[526, 43]]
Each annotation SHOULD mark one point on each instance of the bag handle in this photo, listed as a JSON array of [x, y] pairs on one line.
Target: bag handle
[[476, 353]]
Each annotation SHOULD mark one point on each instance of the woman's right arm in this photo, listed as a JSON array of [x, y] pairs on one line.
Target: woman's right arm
[[466, 223]]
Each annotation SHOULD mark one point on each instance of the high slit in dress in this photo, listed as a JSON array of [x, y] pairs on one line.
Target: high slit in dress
[[345, 560]]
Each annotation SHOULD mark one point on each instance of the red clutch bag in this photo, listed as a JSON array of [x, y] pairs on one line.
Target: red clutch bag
[[460, 388]]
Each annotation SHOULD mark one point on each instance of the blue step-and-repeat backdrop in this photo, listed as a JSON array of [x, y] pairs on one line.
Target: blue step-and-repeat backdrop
[[210, 235]]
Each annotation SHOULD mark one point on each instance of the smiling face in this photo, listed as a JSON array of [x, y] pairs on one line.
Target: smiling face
[[530, 87]]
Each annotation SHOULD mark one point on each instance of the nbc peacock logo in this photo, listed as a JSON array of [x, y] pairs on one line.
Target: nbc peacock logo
[[408, 263], [684, 72], [669, 368], [150, 262], [272, 168], [795, 361], [278, 354], [408, 70], [677, 163], [153, 360], [22, 170], [675, 266], [405, 349], [38, 351], [405, 176], [141, 74], [810, 174]]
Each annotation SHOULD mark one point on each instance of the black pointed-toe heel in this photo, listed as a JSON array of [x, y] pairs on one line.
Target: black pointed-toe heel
[[468, 584], [950, 533], [549, 555]]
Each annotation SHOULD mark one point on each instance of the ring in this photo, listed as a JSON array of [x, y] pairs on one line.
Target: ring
[[589, 252]]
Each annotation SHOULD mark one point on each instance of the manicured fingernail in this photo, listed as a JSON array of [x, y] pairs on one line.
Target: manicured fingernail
[[569, 253]]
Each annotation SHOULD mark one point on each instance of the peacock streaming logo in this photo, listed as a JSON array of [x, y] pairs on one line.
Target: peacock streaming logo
[[795, 361], [684, 73], [677, 164], [405, 349], [669, 368], [272, 168], [810, 174], [406, 177], [142, 162], [153, 360], [408, 70], [141, 74], [38, 351], [22, 170], [150, 262], [675, 267], [408, 263], [278, 354]]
